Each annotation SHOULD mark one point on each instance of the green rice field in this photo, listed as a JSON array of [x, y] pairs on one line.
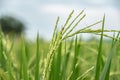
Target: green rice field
[[66, 57]]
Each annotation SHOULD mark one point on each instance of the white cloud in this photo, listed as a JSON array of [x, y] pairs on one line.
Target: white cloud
[[93, 13], [99, 1], [58, 9], [112, 15]]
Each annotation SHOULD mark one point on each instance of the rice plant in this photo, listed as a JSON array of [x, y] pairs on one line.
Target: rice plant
[[68, 56]]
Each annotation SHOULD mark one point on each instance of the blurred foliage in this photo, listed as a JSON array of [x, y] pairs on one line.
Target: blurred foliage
[[11, 25]]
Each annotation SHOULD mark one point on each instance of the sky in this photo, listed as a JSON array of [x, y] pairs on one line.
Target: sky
[[40, 15]]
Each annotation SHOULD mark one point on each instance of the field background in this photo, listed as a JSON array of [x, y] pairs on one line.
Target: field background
[[74, 54], [83, 43]]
